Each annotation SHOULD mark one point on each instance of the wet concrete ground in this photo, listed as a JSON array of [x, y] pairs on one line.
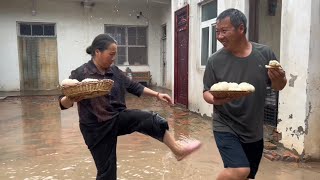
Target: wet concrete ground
[[38, 141]]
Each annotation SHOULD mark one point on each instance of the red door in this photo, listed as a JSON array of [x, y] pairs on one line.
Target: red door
[[181, 46]]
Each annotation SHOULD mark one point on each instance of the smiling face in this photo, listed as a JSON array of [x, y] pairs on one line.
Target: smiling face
[[228, 35], [106, 57]]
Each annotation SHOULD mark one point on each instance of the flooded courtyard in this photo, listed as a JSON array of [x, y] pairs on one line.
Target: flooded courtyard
[[38, 141]]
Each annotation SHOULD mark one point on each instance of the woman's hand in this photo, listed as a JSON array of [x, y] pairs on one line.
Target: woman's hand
[[75, 99], [67, 102], [164, 97]]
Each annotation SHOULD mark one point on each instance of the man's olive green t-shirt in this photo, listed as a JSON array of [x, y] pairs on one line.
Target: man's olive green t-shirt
[[244, 116]]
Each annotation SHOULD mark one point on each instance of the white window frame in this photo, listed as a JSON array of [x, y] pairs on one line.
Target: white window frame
[[209, 23]]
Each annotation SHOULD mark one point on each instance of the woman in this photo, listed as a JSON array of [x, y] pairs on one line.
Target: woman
[[104, 118]]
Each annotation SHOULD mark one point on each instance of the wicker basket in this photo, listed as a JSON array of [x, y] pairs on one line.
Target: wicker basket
[[88, 89], [230, 94]]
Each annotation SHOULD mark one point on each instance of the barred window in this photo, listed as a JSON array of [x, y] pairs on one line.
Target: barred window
[[36, 29], [132, 44]]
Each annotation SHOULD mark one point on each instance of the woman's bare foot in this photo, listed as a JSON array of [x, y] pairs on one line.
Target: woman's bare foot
[[187, 148], [181, 149]]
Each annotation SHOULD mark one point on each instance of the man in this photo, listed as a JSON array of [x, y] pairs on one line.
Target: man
[[238, 123]]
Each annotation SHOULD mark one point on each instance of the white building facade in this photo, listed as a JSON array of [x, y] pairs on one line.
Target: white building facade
[[75, 24], [57, 33]]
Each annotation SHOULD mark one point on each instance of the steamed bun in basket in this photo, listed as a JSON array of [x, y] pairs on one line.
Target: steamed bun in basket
[[89, 80], [244, 86], [69, 82], [232, 86], [220, 86]]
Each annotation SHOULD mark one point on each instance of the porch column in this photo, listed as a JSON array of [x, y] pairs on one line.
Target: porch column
[[299, 102]]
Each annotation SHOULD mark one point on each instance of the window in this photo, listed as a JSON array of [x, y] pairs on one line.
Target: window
[[208, 30], [132, 44], [36, 29]]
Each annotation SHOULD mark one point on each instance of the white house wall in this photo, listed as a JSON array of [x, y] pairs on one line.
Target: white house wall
[[10, 78], [154, 39], [75, 27], [269, 27], [166, 19], [295, 52], [196, 102]]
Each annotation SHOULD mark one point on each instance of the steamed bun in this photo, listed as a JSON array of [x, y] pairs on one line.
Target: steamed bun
[[69, 82], [274, 63], [232, 86], [220, 86], [246, 87], [89, 80]]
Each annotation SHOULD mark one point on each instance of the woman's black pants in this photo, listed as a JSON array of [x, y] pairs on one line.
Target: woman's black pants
[[128, 121]]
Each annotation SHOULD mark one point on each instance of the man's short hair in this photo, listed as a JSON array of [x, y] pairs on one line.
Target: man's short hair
[[236, 17]]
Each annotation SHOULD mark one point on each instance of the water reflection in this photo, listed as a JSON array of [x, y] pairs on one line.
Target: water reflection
[[41, 125], [30, 126], [10, 129]]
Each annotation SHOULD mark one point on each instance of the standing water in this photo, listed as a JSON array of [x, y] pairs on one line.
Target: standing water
[[38, 141]]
